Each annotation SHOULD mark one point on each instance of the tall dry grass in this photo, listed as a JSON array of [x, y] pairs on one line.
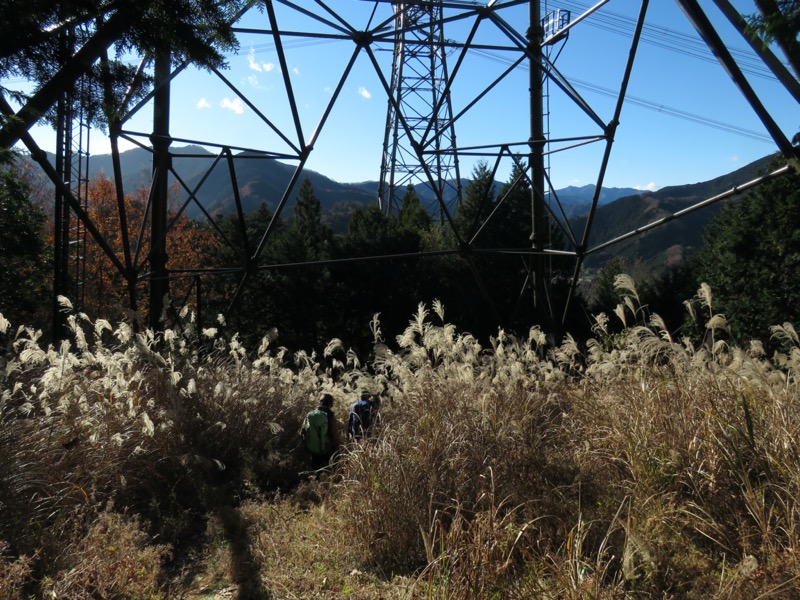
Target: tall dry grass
[[636, 465], [163, 428]]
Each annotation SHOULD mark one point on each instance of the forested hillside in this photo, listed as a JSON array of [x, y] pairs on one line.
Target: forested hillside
[[665, 245], [263, 181], [419, 260]]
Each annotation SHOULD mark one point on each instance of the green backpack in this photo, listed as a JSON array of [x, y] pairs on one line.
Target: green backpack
[[316, 431]]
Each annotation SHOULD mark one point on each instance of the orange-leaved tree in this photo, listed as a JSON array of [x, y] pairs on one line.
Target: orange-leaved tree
[[110, 293]]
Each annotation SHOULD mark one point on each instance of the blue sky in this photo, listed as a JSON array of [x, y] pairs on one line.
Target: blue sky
[[674, 129]]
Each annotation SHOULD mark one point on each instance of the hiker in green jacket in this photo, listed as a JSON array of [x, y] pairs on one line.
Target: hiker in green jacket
[[320, 433]]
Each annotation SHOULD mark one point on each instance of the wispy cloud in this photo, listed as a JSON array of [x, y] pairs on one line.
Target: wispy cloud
[[257, 66], [650, 187], [202, 103], [255, 82], [364, 92], [296, 71], [236, 105]]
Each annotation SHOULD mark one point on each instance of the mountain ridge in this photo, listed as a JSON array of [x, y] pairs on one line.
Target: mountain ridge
[[669, 243], [267, 182], [620, 210]]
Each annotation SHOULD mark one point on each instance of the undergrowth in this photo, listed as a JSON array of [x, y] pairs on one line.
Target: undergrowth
[[142, 464]]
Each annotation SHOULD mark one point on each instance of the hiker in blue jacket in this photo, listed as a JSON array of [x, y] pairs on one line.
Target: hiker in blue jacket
[[320, 433], [363, 413]]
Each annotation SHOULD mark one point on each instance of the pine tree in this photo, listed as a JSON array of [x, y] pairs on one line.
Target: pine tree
[[477, 204], [300, 296], [31, 46], [307, 226], [411, 215], [779, 21], [516, 209]]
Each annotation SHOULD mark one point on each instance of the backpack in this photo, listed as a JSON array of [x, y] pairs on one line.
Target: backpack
[[360, 419], [315, 431]]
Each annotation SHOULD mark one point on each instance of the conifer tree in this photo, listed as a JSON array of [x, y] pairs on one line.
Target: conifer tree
[[307, 225], [301, 295], [779, 21], [515, 212], [751, 259], [54, 44], [477, 203], [412, 215], [23, 270]]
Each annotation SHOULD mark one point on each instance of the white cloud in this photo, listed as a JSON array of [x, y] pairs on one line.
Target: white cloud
[[252, 80], [296, 71], [256, 66], [202, 103], [236, 106], [102, 145], [364, 92], [650, 187], [251, 60]]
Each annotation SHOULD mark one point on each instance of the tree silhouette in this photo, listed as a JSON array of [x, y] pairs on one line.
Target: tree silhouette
[[412, 215], [301, 295], [307, 223], [38, 38], [779, 21]]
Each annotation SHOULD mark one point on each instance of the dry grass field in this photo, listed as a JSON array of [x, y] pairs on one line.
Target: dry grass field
[[135, 465]]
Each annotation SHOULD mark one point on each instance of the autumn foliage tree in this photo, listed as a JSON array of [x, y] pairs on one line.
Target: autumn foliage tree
[[106, 290]]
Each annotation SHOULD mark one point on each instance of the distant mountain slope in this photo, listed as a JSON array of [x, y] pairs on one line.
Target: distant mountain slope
[[620, 210], [261, 180], [576, 201], [666, 243], [264, 181]]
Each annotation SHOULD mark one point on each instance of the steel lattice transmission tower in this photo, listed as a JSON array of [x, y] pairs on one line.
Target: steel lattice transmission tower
[[420, 139], [72, 166]]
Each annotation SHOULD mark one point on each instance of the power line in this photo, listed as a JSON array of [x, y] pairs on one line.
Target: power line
[[676, 112], [648, 104], [661, 37], [669, 39]]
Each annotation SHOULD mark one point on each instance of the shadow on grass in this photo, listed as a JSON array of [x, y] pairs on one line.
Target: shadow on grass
[[245, 573]]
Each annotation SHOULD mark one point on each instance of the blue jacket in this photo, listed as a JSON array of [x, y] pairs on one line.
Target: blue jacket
[[360, 419]]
